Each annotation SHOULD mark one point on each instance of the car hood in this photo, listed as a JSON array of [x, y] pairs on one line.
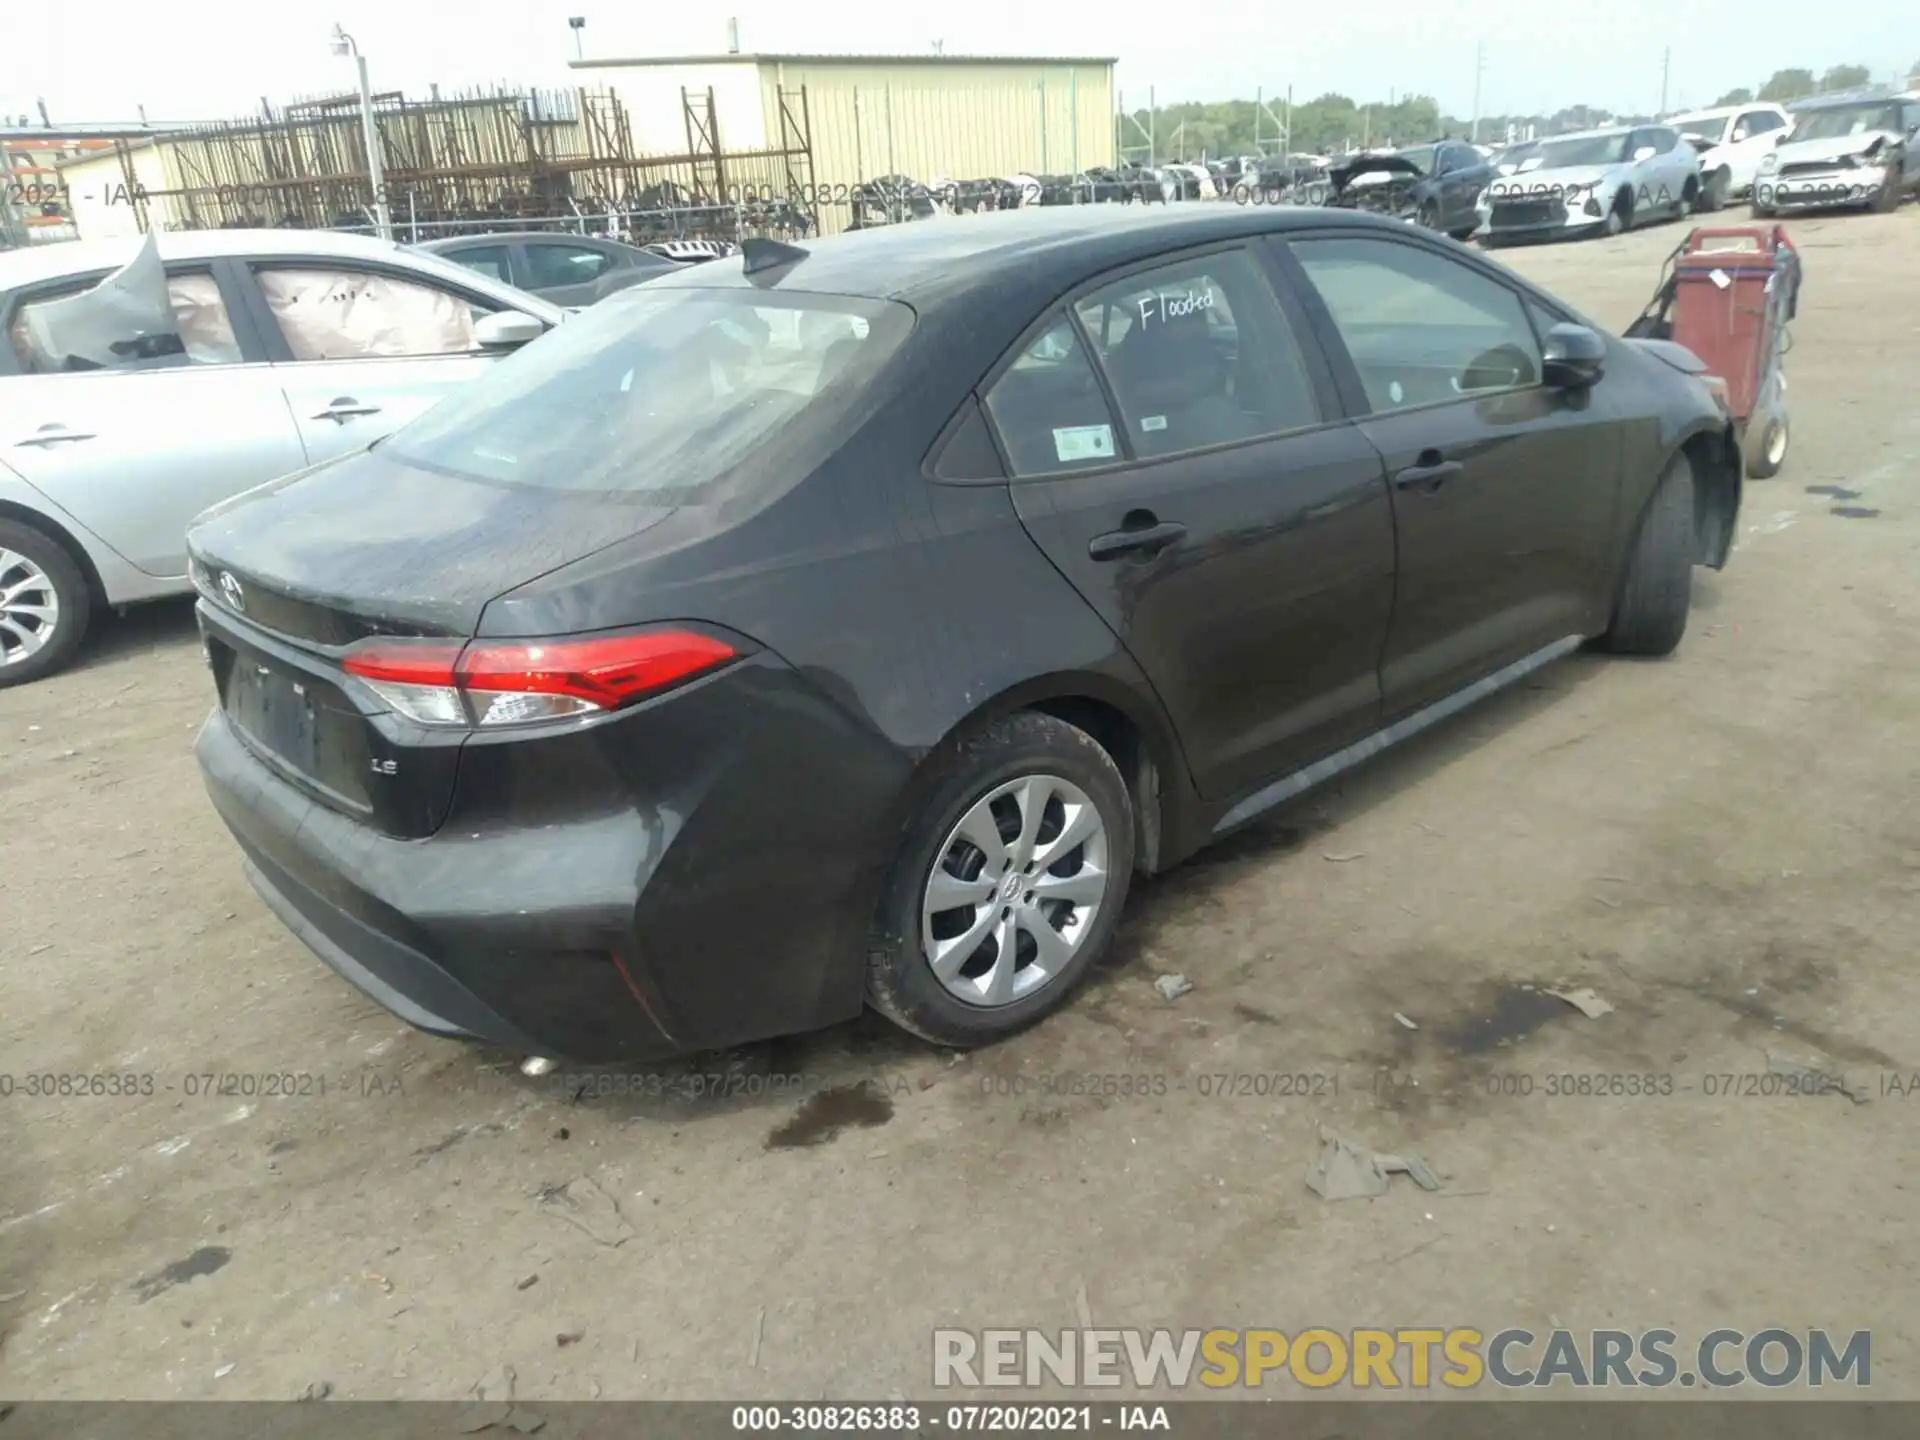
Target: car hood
[[1372, 170], [1543, 182], [1669, 353], [1802, 152], [405, 549]]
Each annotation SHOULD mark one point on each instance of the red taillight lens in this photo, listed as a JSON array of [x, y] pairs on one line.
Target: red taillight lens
[[518, 682], [605, 671]]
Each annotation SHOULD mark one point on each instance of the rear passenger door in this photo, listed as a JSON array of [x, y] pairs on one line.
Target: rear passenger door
[[1178, 454]]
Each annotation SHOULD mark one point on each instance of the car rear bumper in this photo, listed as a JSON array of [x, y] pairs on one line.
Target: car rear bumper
[[639, 889]]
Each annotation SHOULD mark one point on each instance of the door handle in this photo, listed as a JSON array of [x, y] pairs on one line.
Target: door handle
[[1429, 474], [343, 408], [1141, 539], [52, 435]]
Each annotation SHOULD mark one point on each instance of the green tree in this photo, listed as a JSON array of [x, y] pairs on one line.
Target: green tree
[[1845, 77], [1738, 96], [1788, 85]]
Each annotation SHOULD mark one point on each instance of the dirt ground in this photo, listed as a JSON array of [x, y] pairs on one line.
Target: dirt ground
[[1725, 846]]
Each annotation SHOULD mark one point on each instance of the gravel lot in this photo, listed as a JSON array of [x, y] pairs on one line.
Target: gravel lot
[[1724, 845]]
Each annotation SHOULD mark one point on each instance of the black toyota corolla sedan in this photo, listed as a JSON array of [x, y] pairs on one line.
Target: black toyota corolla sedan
[[847, 625]]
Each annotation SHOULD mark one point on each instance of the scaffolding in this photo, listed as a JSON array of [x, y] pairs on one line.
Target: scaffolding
[[483, 160]]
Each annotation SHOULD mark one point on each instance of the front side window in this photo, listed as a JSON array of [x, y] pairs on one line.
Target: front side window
[[665, 390], [1199, 353], [342, 314], [550, 265], [1048, 407], [91, 329], [1422, 327]]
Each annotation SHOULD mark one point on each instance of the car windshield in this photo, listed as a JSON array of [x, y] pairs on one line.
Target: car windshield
[[1420, 155], [1710, 128], [1578, 150], [1839, 121], [661, 389]]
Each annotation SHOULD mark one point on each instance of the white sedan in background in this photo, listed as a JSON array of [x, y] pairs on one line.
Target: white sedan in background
[[143, 380]]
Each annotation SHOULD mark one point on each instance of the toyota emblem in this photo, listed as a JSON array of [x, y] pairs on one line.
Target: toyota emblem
[[231, 589]]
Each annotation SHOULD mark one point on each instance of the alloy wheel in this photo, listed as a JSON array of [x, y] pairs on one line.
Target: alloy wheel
[[29, 608], [1014, 890]]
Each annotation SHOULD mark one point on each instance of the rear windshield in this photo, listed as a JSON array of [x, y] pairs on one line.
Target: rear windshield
[[659, 389]]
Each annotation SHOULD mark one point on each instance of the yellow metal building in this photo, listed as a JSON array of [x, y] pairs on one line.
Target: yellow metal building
[[932, 116]]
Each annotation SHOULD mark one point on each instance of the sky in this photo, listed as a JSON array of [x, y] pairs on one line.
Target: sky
[[97, 60]]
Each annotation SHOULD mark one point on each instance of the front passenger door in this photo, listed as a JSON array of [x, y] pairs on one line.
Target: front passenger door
[[365, 350], [1230, 527], [1503, 490]]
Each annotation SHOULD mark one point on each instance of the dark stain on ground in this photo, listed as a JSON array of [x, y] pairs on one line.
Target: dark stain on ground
[[204, 1261], [1838, 492], [1853, 512], [827, 1113], [281, 1147], [1254, 1014], [1517, 1011], [459, 1133]]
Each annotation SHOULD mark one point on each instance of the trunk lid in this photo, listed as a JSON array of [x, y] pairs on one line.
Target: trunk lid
[[293, 573], [370, 545]]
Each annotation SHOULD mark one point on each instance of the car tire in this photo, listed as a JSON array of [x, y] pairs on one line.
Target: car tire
[[956, 795], [1887, 200], [38, 576], [1463, 236], [1650, 613], [1767, 449], [1429, 216], [1761, 212], [1714, 194], [1689, 200], [1619, 219]]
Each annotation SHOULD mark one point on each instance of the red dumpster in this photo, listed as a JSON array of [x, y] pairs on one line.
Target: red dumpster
[[1728, 295]]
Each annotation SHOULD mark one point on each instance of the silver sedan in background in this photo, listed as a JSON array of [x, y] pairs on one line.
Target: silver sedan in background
[[145, 379]]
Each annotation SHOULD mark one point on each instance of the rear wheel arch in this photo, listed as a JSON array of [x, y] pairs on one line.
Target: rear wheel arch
[[1141, 745], [58, 533]]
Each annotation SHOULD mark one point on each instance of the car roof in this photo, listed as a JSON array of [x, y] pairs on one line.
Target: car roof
[[1604, 132], [1025, 257]]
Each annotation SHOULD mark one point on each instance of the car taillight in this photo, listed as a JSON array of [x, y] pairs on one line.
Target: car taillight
[[518, 682]]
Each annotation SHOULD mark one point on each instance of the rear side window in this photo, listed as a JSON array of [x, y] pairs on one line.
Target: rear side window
[[1198, 354], [1049, 409], [551, 265], [66, 331], [487, 260], [656, 390], [1422, 327]]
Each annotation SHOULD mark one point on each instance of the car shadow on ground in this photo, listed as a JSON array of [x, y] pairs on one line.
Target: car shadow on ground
[[142, 630], [840, 1074]]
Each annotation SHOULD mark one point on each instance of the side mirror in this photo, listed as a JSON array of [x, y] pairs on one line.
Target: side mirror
[[506, 330], [1573, 356]]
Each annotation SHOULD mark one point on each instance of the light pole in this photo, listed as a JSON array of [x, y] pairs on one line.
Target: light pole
[[1479, 68], [577, 23], [343, 44]]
